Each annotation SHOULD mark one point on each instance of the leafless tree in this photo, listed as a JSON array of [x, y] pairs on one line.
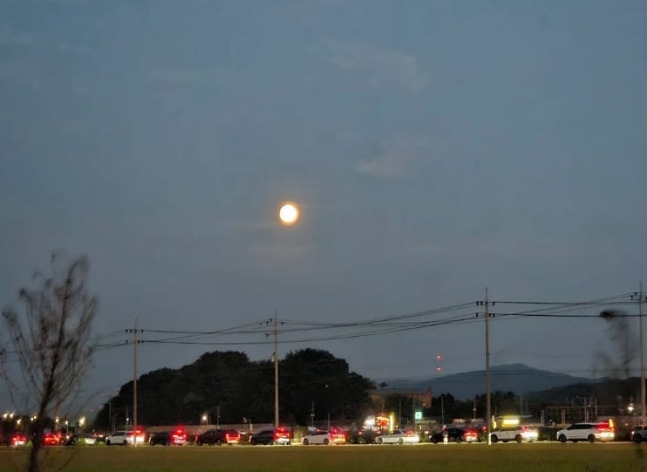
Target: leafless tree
[[51, 339]]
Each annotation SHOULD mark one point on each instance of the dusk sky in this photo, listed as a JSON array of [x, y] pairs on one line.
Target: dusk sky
[[435, 148]]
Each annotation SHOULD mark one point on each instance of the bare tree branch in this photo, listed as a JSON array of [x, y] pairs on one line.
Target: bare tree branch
[[51, 338]]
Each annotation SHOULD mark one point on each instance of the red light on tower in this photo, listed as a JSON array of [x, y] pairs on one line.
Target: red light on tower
[[439, 366]]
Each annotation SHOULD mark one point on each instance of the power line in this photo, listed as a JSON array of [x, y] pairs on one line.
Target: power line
[[458, 314]]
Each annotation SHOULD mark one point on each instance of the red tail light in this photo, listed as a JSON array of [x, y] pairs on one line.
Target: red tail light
[[281, 433]]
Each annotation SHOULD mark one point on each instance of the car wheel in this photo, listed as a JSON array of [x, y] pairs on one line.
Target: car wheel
[[518, 438], [378, 440], [562, 438], [108, 442], [434, 440], [252, 442], [400, 441], [591, 438], [125, 443], [458, 440], [638, 438], [306, 442], [494, 438], [219, 442], [326, 442]]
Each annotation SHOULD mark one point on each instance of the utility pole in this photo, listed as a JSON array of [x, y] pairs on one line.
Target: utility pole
[[442, 410], [488, 397], [135, 342], [642, 357], [135, 384], [413, 411], [276, 371]]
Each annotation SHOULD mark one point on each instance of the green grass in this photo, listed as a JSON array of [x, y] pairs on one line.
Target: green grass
[[581, 457]]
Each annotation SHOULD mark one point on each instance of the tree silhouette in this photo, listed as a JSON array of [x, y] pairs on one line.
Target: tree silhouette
[[51, 338]]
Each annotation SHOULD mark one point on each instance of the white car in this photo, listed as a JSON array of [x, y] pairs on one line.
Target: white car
[[125, 438], [587, 432], [324, 437], [518, 434], [398, 436]]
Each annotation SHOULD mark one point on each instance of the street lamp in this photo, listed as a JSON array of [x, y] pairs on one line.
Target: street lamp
[[328, 404]]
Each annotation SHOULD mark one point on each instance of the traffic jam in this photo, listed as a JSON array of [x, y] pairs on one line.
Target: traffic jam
[[378, 430]]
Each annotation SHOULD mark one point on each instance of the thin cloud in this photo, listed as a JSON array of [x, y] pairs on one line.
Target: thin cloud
[[398, 157], [381, 66], [179, 76], [66, 47], [11, 70], [11, 37]]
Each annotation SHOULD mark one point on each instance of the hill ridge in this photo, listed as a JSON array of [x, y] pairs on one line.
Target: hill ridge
[[516, 377]]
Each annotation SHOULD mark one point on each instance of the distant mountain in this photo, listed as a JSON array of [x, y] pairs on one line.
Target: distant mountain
[[517, 378]]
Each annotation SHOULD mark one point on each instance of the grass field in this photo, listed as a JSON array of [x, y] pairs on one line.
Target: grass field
[[547, 457]]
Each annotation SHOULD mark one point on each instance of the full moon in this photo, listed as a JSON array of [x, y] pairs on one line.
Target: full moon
[[289, 214]]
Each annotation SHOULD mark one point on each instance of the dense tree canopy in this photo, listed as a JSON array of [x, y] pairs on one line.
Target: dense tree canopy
[[229, 388]]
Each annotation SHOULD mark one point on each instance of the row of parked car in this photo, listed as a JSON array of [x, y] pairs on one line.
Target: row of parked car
[[586, 431], [18, 438], [282, 436], [217, 436]]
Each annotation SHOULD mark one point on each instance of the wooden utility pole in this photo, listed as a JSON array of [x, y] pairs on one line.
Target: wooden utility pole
[[135, 384], [135, 343], [642, 355], [276, 371], [488, 399]]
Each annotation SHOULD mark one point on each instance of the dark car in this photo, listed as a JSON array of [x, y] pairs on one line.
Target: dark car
[[53, 439], [73, 440], [218, 437], [454, 434], [639, 434], [16, 439], [361, 436], [168, 438], [271, 436]]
